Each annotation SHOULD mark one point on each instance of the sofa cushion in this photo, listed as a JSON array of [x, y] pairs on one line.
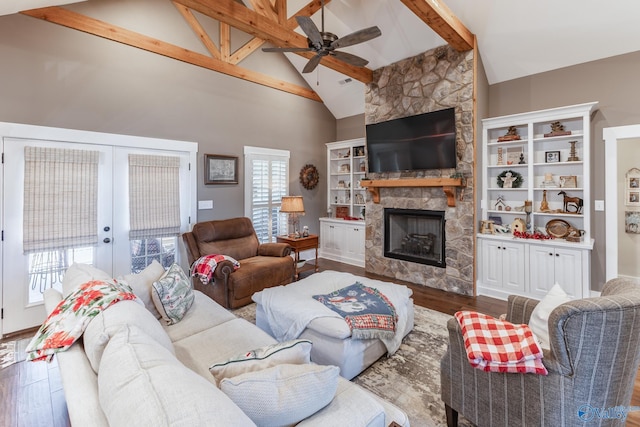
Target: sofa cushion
[[205, 313], [78, 274], [283, 395], [291, 352], [142, 384], [539, 320], [109, 321], [173, 294], [142, 282]]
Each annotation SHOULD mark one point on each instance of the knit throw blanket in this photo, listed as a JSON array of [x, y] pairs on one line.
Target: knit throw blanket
[[204, 267], [368, 313], [499, 346]]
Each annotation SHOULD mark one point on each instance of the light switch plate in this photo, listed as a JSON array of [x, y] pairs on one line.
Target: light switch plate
[[205, 204], [599, 205]]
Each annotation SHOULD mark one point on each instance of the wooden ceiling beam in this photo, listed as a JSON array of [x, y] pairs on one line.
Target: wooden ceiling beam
[[441, 20], [250, 22], [76, 21], [198, 29], [264, 8]]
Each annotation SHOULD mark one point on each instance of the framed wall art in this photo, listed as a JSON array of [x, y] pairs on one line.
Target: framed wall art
[[220, 169], [551, 156], [632, 222], [568, 181], [632, 187]]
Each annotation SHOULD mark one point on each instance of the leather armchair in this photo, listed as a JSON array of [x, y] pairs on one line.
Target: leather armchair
[[592, 364], [261, 265]]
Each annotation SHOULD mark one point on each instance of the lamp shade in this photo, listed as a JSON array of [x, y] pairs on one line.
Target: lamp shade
[[292, 204]]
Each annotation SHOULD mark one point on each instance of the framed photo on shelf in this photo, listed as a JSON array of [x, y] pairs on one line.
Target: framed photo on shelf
[[513, 155], [220, 169], [552, 156], [568, 181]]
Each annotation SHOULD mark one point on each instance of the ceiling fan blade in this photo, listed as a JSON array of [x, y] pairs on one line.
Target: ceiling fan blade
[[357, 37], [312, 64], [310, 29], [287, 49], [349, 58]]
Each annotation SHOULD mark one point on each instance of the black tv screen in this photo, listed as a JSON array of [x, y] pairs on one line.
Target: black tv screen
[[421, 142]]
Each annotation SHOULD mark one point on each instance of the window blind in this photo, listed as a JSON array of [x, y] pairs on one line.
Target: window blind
[[266, 181], [154, 196], [60, 199]]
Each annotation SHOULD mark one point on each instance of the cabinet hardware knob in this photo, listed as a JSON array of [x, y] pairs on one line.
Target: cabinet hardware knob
[[499, 247], [557, 254], [550, 254]]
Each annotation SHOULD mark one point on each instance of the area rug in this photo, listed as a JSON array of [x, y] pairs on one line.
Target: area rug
[[12, 352], [410, 378]]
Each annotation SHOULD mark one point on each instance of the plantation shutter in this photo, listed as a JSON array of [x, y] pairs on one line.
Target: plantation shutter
[[266, 181], [60, 199], [154, 196]]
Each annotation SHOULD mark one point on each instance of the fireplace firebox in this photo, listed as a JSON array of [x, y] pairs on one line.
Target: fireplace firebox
[[415, 235]]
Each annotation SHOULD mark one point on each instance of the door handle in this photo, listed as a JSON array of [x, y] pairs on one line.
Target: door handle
[[107, 240], [107, 228]]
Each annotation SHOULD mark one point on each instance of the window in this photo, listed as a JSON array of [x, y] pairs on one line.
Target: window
[[266, 181]]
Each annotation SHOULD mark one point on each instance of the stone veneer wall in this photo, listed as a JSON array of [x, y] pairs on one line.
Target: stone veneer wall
[[437, 79]]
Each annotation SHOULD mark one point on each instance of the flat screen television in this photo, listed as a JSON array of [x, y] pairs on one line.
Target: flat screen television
[[421, 142]]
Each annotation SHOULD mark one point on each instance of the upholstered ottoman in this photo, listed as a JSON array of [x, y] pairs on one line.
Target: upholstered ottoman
[[290, 312]]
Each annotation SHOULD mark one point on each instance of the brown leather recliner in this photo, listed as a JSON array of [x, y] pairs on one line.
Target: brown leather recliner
[[261, 265]]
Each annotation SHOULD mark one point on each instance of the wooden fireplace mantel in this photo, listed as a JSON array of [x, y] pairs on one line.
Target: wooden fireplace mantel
[[448, 186]]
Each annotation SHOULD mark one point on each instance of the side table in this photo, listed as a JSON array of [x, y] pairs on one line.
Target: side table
[[301, 244]]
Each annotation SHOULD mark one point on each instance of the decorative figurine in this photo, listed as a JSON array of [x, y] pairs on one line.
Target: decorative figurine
[[305, 231], [500, 204], [508, 180], [487, 227], [521, 161], [548, 181], [576, 202], [544, 205], [511, 135], [518, 225], [557, 129], [500, 158]]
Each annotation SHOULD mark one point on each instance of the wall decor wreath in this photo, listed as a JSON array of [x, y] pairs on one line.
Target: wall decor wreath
[[309, 177]]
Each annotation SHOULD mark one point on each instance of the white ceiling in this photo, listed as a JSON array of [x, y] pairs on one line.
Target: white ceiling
[[516, 38]]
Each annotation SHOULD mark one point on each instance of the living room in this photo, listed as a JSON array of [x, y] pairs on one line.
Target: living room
[[62, 78]]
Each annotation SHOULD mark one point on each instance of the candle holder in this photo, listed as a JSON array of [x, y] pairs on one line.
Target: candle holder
[[528, 209], [572, 153]]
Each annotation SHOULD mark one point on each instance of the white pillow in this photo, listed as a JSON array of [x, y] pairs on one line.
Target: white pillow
[[539, 321], [283, 395], [78, 274], [173, 294], [295, 352], [141, 284]]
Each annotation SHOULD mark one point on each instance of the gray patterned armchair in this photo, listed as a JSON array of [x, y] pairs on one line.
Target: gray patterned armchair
[[592, 364]]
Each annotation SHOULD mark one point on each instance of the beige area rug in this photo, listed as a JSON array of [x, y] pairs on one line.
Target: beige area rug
[[12, 352], [410, 378]]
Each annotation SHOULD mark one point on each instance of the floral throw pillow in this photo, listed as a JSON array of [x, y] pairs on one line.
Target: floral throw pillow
[[173, 295], [66, 323]]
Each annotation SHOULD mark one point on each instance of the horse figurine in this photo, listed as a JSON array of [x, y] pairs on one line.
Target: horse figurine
[[576, 202]]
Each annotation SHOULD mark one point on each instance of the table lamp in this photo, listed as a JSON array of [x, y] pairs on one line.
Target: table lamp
[[293, 205]]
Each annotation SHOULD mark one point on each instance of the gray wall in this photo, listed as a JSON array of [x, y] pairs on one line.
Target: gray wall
[[350, 127], [613, 83], [54, 76]]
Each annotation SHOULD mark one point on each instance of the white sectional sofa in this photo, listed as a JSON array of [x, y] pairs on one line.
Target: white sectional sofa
[[130, 368]]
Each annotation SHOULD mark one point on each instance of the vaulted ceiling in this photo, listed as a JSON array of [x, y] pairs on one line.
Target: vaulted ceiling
[[515, 39]]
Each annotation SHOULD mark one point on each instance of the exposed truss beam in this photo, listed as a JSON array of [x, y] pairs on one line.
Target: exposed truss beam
[[244, 19], [102, 29], [441, 20]]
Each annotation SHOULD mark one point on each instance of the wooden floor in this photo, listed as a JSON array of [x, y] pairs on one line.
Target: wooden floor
[[31, 393]]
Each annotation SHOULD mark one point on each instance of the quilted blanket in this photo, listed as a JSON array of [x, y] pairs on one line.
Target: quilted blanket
[[498, 345], [204, 267], [368, 312], [67, 322]]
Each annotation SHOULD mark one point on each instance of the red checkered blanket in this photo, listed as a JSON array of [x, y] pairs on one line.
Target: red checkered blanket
[[499, 346], [203, 267]]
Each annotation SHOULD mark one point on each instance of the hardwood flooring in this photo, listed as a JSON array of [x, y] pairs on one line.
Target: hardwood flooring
[[31, 394]]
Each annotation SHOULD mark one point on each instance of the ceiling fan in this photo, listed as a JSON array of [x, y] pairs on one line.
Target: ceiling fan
[[324, 43]]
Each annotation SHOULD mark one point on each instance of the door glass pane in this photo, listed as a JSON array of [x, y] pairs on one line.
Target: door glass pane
[[46, 269], [144, 251]]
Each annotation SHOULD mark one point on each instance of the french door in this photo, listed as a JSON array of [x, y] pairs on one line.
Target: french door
[[26, 276]]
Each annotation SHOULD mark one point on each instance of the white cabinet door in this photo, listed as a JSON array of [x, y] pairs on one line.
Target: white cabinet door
[[542, 270], [513, 267], [555, 265], [328, 237], [354, 241], [491, 263]]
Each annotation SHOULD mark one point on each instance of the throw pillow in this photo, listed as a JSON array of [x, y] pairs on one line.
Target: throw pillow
[[141, 284], [539, 321], [173, 294], [78, 274], [295, 352], [283, 395]]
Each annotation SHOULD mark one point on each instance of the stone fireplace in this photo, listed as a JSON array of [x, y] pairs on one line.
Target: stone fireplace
[[435, 80], [415, 235]]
